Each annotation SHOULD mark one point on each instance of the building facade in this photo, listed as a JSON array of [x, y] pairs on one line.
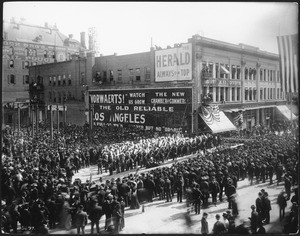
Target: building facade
[[239, 78], [198, 86], [236, 78], [64, 86], [27, 45]]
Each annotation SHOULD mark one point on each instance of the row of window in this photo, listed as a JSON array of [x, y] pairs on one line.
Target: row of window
[[225, 71], [62, 96], [59, 80], [25, 64], [11, 79], [133, 74], [223, 94], [32, 52], [270, 93]]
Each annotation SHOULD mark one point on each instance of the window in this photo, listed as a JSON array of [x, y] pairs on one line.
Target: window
[[50, 96], [119, 75], [104, 76], [278, 76], [246, 94], [254, 73], [11, 64], [59, 97], [238, 93], [64, 80], [261, 74], [54, 80], [82, 95], [25, 64], [58, 80], [226, 94], [130, 74], [250, 73], [217, 70], [45, 54], [64, 96], [69, 80], [61, 57], [34, 54], [147, 73], [210, 68], [232, 94], [11, 51], [69, 95], [233, 72], [265, 92], [138, 74], [238, 72], [250, 94], [54, 97], [268, 93], [111, 75], [254, 93], [69, 56], [264, 75], [222, 72], [222, 94], [26, 52], [261, 94], [246, 73], [50, 80], [11, 79], [83, 78], [25, 79]]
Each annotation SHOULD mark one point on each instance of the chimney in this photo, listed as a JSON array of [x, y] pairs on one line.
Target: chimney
[[70, 36], [82, 39]]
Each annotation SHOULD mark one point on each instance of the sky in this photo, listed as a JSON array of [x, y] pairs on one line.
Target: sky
[[132, 27]]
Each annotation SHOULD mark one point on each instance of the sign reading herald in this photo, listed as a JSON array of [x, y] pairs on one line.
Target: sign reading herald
[[141, 107], [174, 64]]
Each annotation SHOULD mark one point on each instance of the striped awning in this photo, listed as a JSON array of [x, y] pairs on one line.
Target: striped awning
[[223, 124], [286, 112]]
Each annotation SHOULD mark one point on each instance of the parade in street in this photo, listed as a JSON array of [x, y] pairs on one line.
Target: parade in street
[[149, 118]]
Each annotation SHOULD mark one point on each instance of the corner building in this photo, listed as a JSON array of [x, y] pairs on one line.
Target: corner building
[[167, 89]]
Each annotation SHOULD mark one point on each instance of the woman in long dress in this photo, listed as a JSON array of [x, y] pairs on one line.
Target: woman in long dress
[[65, 216], [134, 199]]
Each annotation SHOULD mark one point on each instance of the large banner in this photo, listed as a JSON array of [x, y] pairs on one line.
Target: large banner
[[174, 64], [151, 109]]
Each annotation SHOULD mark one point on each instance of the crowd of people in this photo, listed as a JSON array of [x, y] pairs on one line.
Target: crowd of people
[[38, 191]]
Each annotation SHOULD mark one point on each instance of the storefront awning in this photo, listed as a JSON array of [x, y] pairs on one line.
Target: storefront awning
[[284, 110], [223, 124]]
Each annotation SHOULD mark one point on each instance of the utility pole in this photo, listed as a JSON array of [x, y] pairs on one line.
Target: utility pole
[[57, 109], [51, 123]]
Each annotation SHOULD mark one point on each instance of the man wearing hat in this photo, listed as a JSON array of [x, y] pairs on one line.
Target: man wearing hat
[[95, 215], [81, 219], [219, 227], [254, 220]]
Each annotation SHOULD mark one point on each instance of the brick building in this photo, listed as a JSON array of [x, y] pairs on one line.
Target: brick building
[[27, 45], [198, 86]]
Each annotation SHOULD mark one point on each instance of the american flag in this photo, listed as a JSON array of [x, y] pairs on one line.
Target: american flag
[[288, 53], [239, 119]]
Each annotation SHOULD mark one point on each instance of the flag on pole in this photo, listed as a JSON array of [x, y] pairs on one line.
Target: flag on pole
[[288, 55], [239, 119]]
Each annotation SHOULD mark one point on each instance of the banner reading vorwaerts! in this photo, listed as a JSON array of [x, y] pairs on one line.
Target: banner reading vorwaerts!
[[174, 64], [145, 107]]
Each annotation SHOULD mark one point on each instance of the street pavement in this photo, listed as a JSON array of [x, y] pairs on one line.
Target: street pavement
[[160, 217]]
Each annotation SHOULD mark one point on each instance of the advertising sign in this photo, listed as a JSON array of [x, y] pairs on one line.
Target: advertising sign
[[153, 109], [174, 64]]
